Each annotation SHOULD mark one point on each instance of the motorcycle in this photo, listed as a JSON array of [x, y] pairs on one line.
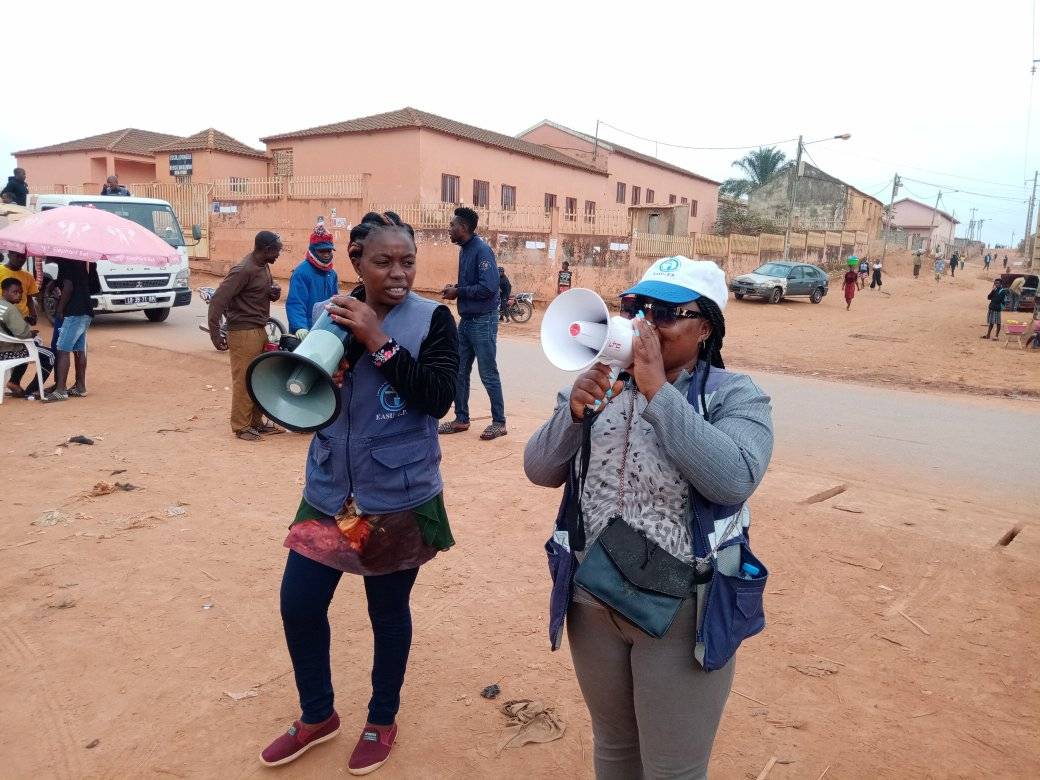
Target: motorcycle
[[276, 330], [519, 308]]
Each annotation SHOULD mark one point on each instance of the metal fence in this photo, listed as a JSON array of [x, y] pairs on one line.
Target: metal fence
[[600, 223], [235, 189]]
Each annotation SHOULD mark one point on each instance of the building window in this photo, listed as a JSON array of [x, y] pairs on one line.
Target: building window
[[590, 211], [621, 195], [570, 212], [237, 184], [649, 196], [550, 202], [449, 188], [282, 162], [481, 194], [671, 199], [508, 197], [693, 208], [683, 201], [636, 192]]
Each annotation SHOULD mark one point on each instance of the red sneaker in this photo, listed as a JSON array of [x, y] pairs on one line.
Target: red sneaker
[[297, 741], [372, 749]]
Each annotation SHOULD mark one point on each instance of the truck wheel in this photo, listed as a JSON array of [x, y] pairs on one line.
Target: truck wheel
[[817, 295], [157, 315], [777, 295]]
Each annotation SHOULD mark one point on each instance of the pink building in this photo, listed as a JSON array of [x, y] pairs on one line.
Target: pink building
[[633, 178], [211, 155], [925, 227]]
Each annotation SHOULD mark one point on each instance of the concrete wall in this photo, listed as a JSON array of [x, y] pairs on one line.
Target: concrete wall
[[391, 158], [819, 203], [130, 171], [63, 168], [864, 214], [916, 218], [636, 173], [211, 165]]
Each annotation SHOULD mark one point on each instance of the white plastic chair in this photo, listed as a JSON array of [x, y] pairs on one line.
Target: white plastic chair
[[7, 364]]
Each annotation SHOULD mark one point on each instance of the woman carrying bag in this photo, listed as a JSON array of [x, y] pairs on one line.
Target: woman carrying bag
[[650, 559], [372, 502]]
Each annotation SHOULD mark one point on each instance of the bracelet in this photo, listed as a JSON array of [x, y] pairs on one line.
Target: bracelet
[[382, 355]]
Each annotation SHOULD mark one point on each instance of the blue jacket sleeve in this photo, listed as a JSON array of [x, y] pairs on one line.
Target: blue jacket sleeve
[[486, 287], [298, 301]]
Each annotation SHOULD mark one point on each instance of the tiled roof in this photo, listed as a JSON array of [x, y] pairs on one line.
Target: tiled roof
[[129, 140], [210, 139], [410, 117], [624, 151]]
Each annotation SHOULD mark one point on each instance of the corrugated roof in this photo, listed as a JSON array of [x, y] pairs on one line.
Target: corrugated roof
[[411, 117], [212, 139], [129, 140], [624, 151]]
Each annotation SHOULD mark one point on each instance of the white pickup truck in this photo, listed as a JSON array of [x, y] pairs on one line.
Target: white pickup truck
[[122, 288]]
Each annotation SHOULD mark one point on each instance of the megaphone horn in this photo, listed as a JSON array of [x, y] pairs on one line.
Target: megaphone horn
[[578, 331], [295, 389]]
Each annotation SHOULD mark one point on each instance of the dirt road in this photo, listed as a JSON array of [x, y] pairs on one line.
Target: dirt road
[[898, 642]]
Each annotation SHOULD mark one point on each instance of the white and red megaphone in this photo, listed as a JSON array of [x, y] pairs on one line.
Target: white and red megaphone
[[578, 332]]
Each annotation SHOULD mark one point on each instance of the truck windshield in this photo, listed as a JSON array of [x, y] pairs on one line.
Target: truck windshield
[[159, 219]]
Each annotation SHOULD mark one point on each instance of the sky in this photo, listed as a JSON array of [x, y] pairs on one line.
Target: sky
[[939, 92]]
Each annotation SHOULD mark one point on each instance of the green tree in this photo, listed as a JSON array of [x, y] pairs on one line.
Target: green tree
[[759, 166]]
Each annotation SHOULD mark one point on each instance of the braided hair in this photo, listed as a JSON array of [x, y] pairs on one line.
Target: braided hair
[[711, 348], [371, 223]]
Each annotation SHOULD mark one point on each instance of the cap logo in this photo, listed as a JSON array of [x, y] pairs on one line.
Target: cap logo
[[668, 265]]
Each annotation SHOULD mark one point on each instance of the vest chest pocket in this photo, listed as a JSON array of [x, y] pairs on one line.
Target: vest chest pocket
[[327, 482]]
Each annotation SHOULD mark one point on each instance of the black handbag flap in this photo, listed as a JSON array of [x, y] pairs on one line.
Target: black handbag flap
[[644, 563]]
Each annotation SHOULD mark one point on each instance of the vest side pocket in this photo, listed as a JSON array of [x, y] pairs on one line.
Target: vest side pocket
[[327, 483]]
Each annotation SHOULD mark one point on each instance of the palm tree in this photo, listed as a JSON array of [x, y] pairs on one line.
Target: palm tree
[[758, 166]]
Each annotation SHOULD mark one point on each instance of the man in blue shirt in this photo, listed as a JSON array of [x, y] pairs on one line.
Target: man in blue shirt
[[312, 281], [477, 294]]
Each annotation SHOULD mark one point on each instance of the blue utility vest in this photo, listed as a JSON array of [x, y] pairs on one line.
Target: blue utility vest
[[378, 450]]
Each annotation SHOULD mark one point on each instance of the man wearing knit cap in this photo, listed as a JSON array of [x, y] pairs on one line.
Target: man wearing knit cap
[[313, 281]]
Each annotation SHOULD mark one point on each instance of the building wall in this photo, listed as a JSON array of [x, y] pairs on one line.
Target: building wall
[[211, 165], [864, 214], [635, 173], [916, 218], [61, 168], [532, 178], [130, 171], [391, 157]]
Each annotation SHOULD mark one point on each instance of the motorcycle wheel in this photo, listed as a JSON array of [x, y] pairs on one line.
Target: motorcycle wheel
[[522, 311]]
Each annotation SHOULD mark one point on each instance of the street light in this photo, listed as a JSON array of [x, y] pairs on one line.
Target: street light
[[790, 184]]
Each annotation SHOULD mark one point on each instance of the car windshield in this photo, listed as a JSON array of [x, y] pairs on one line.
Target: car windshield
[[152, 216], [773, 269]]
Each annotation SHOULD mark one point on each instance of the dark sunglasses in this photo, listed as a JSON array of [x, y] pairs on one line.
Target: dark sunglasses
[[663, 314]]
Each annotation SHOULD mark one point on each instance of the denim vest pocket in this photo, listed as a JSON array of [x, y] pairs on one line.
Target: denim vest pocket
[[327, 485], [395, 472]]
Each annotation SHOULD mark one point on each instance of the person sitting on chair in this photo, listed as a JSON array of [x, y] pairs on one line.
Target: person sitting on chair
[[13, 324]]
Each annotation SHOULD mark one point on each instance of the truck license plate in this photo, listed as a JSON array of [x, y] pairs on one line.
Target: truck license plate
[[139, 299]]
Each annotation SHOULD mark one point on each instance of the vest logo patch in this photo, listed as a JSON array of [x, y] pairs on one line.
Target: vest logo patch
[[391, 401]]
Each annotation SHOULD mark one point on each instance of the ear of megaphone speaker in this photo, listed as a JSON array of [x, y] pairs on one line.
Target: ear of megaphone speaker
[[295, 389], [578, 331]]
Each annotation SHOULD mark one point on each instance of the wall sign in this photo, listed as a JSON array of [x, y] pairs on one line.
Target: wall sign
[[180, 164]]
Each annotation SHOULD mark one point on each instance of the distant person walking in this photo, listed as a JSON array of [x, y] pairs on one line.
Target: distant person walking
[[986, 261], [940, 266], [1005, 262], [875, 281], [244, 298], [477, 294], [1015, 293], [917, 264], [997, 298], [849, 286], [564, 279], [17, 187], [953, 264], [113, 187], [864, 271]]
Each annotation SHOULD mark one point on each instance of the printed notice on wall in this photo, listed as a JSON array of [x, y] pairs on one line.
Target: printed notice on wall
[[615, 247], [535, 244], [339, 223], [228, 208], [552, 248]]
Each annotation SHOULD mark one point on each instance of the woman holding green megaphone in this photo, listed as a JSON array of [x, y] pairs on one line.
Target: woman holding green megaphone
[[373, 499]]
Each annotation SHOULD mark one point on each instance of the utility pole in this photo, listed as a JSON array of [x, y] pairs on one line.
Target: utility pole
[[931, 228], [896, 184], [595, 145], [1028, 246], [795, 172]]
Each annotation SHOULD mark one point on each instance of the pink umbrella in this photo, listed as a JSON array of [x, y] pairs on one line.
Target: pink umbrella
[[88, 234]]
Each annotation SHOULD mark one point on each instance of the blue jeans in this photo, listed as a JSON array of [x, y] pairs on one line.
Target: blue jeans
[[307, 590], [478, 339]]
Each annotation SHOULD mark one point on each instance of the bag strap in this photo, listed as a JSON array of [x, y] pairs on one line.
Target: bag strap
[[573, 519]]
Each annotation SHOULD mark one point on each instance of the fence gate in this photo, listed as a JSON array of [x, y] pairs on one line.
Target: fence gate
[[191, 205]]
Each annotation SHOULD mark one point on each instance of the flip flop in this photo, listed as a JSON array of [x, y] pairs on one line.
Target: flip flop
[[54, 397], [452, 427], [493, 431], [269, 430], [248, 434], [74, 393]]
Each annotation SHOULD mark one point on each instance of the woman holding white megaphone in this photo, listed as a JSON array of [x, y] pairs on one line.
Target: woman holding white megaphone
[[651, 564]]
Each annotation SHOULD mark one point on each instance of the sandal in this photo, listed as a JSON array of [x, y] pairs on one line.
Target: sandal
[[493, 431], [248, 434], [54, 397], [269, 429], [76, 393], [452, 427]]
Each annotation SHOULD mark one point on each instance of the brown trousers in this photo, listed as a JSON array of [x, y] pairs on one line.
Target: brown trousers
[[243, 346]]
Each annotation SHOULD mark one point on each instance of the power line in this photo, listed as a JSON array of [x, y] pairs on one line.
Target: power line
[[901, 166], [696, 148], [947, 188]]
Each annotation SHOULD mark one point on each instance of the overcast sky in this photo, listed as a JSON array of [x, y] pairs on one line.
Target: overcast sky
[[938, 91]]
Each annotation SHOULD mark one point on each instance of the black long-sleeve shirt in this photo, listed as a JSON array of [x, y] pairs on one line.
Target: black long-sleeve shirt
[[427, 382]]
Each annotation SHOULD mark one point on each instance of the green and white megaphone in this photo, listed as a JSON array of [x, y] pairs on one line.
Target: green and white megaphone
[[295, 389]]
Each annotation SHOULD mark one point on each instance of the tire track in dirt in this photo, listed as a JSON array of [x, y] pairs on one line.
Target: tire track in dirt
[[62, 745]]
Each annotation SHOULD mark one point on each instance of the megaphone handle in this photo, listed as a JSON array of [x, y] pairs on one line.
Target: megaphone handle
[[614, 371]]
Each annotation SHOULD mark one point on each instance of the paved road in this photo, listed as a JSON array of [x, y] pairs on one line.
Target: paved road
[[952, 444]]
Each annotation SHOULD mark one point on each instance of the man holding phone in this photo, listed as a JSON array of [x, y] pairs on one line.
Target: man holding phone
[[244, 298]]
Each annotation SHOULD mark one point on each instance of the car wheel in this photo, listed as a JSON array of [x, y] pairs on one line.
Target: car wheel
[[817, 295], [157, 315], [776, 296], [738, 296]]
